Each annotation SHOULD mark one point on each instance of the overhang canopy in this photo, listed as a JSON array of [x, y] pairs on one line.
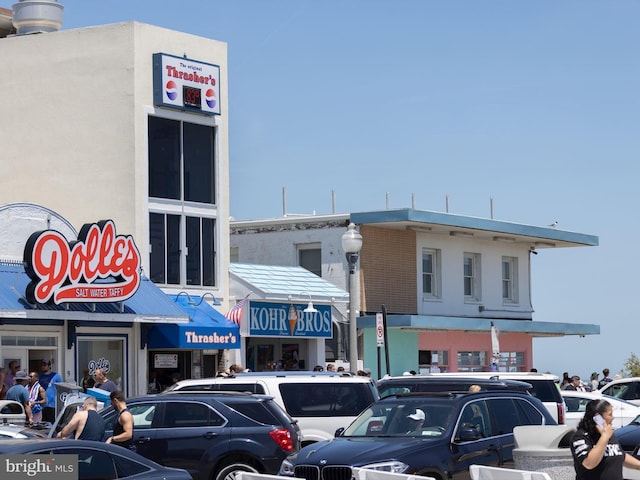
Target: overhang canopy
[[207, 328], [149, 303], [440, 323]]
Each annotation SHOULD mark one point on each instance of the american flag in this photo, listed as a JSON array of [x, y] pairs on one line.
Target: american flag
[[235, 313]]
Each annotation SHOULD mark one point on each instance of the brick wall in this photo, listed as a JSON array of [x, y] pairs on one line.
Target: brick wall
[[388, 270]]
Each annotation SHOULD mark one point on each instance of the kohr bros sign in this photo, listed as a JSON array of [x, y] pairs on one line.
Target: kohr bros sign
[[272, 319]]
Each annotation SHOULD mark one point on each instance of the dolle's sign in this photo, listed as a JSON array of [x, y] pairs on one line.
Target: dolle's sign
[[98, 267]]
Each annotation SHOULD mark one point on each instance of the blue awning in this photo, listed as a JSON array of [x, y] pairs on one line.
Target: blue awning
[[148, 304], [207, 328]]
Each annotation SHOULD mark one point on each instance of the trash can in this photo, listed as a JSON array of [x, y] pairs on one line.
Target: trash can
[[544, 448], [62, 390]]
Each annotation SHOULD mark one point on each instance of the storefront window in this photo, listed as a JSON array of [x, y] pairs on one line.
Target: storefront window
[[104, 353]]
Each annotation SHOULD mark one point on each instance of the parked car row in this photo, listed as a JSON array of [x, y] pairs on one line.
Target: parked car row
[[212, 429]]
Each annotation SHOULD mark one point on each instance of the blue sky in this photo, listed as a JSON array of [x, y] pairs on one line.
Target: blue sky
[[534, 104]]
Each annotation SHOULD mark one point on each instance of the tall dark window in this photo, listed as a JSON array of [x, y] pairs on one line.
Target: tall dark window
[[181, 161], [164, 158], [164, 235], [200, 248], [198, 163], [182, 158]]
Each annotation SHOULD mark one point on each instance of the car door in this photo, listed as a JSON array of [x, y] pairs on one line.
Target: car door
[[483, 449], [143, 413], [508, 413], [184, 432]]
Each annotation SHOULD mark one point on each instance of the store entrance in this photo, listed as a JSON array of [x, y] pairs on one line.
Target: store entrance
[[167, 366]]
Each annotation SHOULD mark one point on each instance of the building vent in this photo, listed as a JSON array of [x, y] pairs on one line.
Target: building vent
[[37, 16]]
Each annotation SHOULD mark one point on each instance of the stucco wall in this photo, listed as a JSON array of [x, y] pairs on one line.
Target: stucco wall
[[74, 124]]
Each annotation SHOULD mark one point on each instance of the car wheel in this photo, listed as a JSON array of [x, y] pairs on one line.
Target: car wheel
[[230, 472]]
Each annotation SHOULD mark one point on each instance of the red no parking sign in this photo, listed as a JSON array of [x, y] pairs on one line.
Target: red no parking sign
[[379, 330]]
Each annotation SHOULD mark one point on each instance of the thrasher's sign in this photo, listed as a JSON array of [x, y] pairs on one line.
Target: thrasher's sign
[[98, 267]]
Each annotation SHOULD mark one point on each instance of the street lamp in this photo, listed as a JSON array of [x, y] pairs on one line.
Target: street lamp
[[351, 244]]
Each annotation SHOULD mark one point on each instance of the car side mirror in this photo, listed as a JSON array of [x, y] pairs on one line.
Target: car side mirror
[[468, 434], [339, 432]]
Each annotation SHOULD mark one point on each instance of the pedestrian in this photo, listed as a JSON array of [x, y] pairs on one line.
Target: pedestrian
[[605, 378], [86, 424], [123, 423], [37, 397], [87, 380], [3, 386], [48, 380], [331, 367], [594, 381], [340, 368], [318, 368], [575, 384], [566, 379], [597, 455], [154, 384], [103, 382], [14, 367], [236, 368], [19, 393]]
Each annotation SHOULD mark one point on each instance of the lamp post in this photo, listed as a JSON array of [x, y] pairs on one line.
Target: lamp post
[[351, 244]]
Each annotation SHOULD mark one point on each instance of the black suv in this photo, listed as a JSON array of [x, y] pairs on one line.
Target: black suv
[[212, 435], [419, 383], [432, 434]]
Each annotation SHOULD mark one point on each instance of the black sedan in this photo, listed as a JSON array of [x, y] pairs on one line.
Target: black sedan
[[94, 458]]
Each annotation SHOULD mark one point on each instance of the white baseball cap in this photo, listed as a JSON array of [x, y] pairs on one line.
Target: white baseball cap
[[419, 415]]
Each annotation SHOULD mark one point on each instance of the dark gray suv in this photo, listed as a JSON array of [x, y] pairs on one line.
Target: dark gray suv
[[211, 435]]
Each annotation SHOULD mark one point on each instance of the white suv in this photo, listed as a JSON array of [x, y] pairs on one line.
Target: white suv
[[624, 388], [545, 387], [320, 402]]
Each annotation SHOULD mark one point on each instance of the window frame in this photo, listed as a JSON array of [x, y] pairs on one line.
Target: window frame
[[180, 208], [477, 361], [310, 248], [471, 280], [435, 274], [509, 280]]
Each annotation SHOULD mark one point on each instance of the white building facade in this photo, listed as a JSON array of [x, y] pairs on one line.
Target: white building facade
[[444, 280], [127, 122]]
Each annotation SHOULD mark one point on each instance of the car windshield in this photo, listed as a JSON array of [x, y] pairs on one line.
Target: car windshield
[[403, 418]]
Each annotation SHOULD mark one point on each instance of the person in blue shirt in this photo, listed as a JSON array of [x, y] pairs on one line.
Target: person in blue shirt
[[48, 380], [19, 393]]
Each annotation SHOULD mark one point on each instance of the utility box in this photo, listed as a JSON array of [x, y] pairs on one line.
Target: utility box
[[545, 448], [62, 390]]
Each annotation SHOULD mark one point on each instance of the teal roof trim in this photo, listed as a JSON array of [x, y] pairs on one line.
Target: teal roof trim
[[277, 282], [460, 221], [429, 322]]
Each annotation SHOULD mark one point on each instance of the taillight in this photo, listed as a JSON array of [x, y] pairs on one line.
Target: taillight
[[560, 413], [282, 437]]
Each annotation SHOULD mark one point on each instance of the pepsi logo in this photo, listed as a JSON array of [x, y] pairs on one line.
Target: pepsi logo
[[210, 98], [171, 90]]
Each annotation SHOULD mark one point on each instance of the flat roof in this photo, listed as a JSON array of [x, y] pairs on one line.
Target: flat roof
[[474, 226]]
